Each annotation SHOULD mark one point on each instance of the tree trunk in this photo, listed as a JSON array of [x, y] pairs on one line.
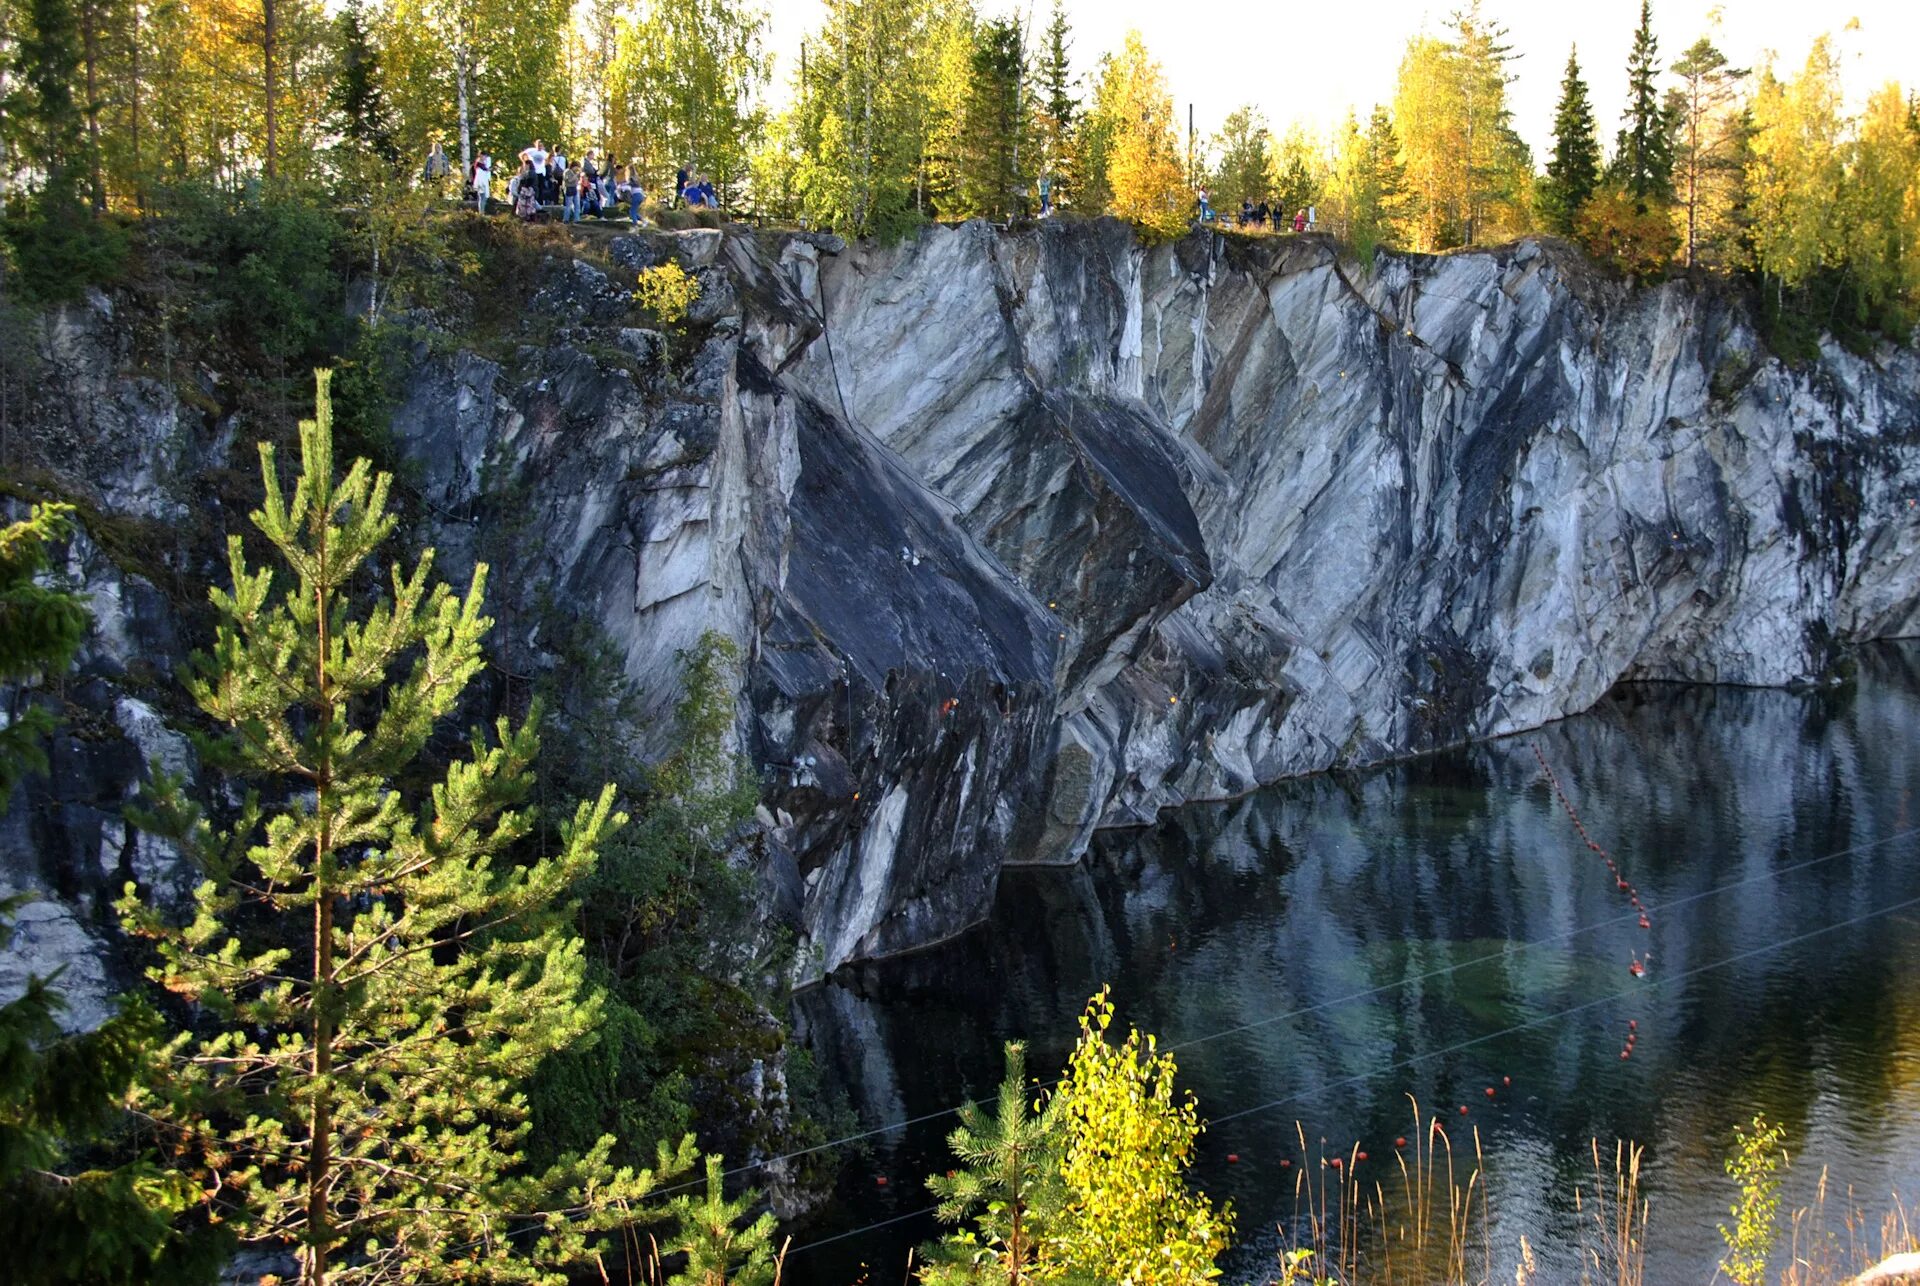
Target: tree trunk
[[133, 110], [269, 38], [319, 1141], [90, 52], [460, 96]]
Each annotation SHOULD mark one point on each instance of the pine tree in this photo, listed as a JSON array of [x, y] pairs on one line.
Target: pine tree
[[68, 1213], [719, 1252], [1008, 1183], [1708, 142], [1468, 173], [372, 977], [1574, 171], [1368, 193], [40, 630], [358, 95], [1643, 154]]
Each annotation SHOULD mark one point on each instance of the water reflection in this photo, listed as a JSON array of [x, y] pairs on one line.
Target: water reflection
[[1424, 930]]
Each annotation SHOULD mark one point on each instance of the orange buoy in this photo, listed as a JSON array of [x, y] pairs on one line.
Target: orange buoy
[[1400, 1143], [1633, 1024], [1335, 1163], [1285, 1164], [1359, 1156], [1489, 1091], [1506, 1080], [879, 1180], [1463, 1109], [1233, 1158]]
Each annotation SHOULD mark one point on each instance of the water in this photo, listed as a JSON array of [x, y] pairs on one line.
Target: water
[[1424, 929]]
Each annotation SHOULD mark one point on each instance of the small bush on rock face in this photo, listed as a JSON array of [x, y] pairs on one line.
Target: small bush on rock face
[[667, 292]]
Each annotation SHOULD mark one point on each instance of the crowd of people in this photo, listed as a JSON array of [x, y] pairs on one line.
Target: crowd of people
[[586, 188], [1258, 216]]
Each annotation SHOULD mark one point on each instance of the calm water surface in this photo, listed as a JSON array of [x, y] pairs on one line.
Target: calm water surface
[[1434, 927]]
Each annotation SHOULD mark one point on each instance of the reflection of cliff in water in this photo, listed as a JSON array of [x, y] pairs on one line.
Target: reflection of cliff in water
[[1420, 929]]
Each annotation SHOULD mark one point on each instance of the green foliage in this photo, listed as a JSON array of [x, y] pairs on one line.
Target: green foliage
[[1126, 1143], [719, 1251], [78, 1218], [40, 629], [1643, 154], [74, 1216], [1625, 235], [667, 291], [1240, 159], [1056, 118], [56, 248], [358, 95], [1755, 1165], [685, 79], [259, 271], [1574, 170], [992, 129], [666, 917], [373, 977], [875, 109], [1008, 1182], [1367, 195]]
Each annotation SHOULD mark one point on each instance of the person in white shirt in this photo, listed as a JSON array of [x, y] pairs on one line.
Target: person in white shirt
[[482, 180]]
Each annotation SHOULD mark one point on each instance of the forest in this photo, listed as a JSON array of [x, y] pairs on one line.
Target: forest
[[902, 111]]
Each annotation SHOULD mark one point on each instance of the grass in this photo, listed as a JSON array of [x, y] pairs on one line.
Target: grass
[[1430, 1224]]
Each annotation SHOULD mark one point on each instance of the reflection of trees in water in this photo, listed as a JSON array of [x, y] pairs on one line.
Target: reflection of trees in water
[[1225, 915]]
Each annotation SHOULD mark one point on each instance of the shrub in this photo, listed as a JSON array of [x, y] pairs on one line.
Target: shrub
[[1634, 239], [667, 292], [1755, 1165]]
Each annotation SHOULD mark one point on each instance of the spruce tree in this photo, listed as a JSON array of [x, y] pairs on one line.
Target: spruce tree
[[1056, 69], [68, 1213], [1643, 154], [1574, 170], [1057, 118], [358, 95], [372, 976], [991, 129]]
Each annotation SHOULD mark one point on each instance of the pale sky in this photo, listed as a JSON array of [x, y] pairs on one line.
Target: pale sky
[[1309, 60]]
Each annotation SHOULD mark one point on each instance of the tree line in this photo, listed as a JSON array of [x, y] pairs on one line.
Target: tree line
[[907, 110]]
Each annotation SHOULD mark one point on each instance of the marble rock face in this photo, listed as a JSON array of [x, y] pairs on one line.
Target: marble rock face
[[1021, 535]]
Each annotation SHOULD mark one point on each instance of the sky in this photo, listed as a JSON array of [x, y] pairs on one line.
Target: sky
[[1310, 60]]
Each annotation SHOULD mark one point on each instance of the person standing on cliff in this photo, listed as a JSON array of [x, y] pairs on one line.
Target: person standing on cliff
[[1046, 194], [482, 180], [535, 158], [1312, 218]]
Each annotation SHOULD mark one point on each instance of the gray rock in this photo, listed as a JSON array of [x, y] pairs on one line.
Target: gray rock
[[1026, 534]]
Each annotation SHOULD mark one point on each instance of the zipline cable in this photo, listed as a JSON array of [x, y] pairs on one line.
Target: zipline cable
[[1320, 1006], [1514, 1029]]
